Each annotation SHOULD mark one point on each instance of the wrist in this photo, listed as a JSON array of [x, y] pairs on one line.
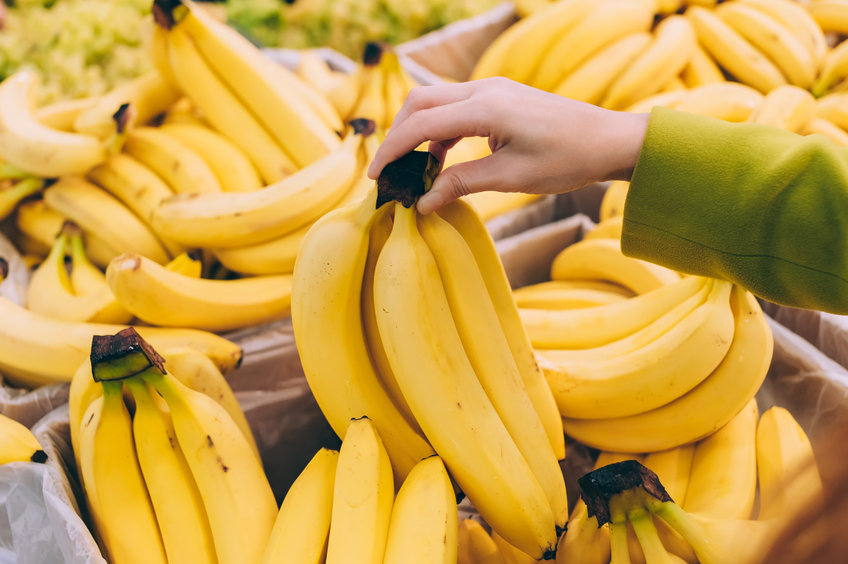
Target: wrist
[[626, 134]]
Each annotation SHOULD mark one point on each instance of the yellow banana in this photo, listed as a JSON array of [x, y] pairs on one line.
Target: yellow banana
[[834, 107], [827, 128], [529, 297], [480, 547], [187, 263], [327, 321], [665, 99], [395, 86], [794, 16], [33, 147], [667, 55], [612, 203], [17, 443], [787, 107], [609, 228], [705, 408], [730, 101], [510, 554], [371, 103], [834, 69], [439, 383], [302, 525], [62, 113], [733, 52], [701, 69], [831, 15], [423, 525], [672, 466], [11, 196], [544, 295]]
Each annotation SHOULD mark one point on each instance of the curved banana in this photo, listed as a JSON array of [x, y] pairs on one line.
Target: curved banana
[[672, 466], [231, 166], [363, 496], [723, 479], [34, 147], [705, 408], [475, 545], [97, 211], [787, 107], [510, 554], [165, 298], [609, 228], [62, 113], [465, 220], [607, 22], [828, 129], [831, 15], [701, 69], [773, 39], [733, 52], [834, 69], [833, 107], [545, 295], [437, 379], [396, 81], [665, 99], [371, 102], [730, 101], [490, 355], [530, 297], [12, 195], [302, 525], [187, 263], [612, 203], [221, 108], [665, 58], [18, 444], [174, 495], [795, 17], [236, 494], [595, 77], [327, 321]]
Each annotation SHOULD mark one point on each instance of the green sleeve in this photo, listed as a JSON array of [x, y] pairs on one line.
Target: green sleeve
[[759, 206]]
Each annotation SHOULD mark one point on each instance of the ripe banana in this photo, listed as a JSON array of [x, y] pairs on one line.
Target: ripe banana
[[236, 494], [834, 69], [509, 553], [231, 219], [371, 101], [787, 107], [665, 99], [450, 405], [609, 228], [701, 69], [733, 52], [17, 443], [162, 297], [536, 297], [834, 107], [730, 101], [34, 147], [786, 465], [327, 321], [174, 495], [705, 408], [478, 546], [672, 466], [651, 376], [302, 525], [773, 39], [612, 203], [490, 355], [828, 129], [62, 113], [831, 15], [723, 480], [544, 294], [603, 259], [221, 108], [97, 211], [607, 22], [187, 263], [12, 195], [423, 525], [363, 496], [667, 55], [795, 16]]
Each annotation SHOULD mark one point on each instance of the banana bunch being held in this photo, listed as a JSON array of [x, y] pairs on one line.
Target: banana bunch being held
[[417, 314], [178, 478]]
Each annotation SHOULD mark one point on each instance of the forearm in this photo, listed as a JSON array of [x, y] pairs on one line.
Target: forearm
[[763, 208]]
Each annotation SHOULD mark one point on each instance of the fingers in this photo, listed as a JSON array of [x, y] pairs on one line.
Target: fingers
[[462, 179], [423, 97]]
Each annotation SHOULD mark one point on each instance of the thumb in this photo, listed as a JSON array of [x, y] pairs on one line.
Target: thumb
[[459, 180]]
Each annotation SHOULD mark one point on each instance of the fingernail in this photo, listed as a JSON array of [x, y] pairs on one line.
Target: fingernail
[[430, 202]]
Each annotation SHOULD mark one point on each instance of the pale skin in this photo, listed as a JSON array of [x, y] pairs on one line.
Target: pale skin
[[541, 143]]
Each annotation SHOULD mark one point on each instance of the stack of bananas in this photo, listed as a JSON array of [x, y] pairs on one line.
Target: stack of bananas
[[417, 314], [178, 477]]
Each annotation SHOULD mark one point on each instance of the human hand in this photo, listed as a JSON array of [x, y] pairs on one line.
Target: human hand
[[541, 143]]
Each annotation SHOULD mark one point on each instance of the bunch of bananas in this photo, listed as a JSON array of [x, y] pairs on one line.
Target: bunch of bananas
[[178, 478], [17, 443], [417, 313]]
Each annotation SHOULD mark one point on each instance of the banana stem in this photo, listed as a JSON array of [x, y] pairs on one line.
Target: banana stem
[[688, 528], [123, 355], [619, 553], [652, 547]]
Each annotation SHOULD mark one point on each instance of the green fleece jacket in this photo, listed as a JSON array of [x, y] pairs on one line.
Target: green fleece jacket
[[764, 208]]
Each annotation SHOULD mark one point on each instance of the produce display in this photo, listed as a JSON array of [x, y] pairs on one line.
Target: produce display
[[216, 191]]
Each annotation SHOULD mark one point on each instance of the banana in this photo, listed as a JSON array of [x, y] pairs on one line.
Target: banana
[[479, 546], [363, 496], [62, 113], [730, 101], [591, 327], [173, 493], [787, 107], [371, 103], [327, 321], [795, 16], [833, 107], [302, 525], [34, 147], [264, 87], [607, 22], [162, 297], [473, 230], [834, 69], [12, 195], [510, 554], [612, 203], [395, 87], [546, 294], [184, 111], [236, 494], [530, 297], [437, 379], [701, 69], [423, 524], [650, 376], [314, 70], [231, 219], [187, 263], [17, 443], [773, 39], [676, 83], [113, 480], [733, 52], [593, 79], [233, 169], [147, 95], [155, 41], [831, 15], [520, 49], [828, 129], [603, 259], [665, 99], [97, 211], [723, 480], [673, 467], [705, 408], [665, 58], [223, 110], [37, 350], [489, 353], [609, 228], [786, 465]]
